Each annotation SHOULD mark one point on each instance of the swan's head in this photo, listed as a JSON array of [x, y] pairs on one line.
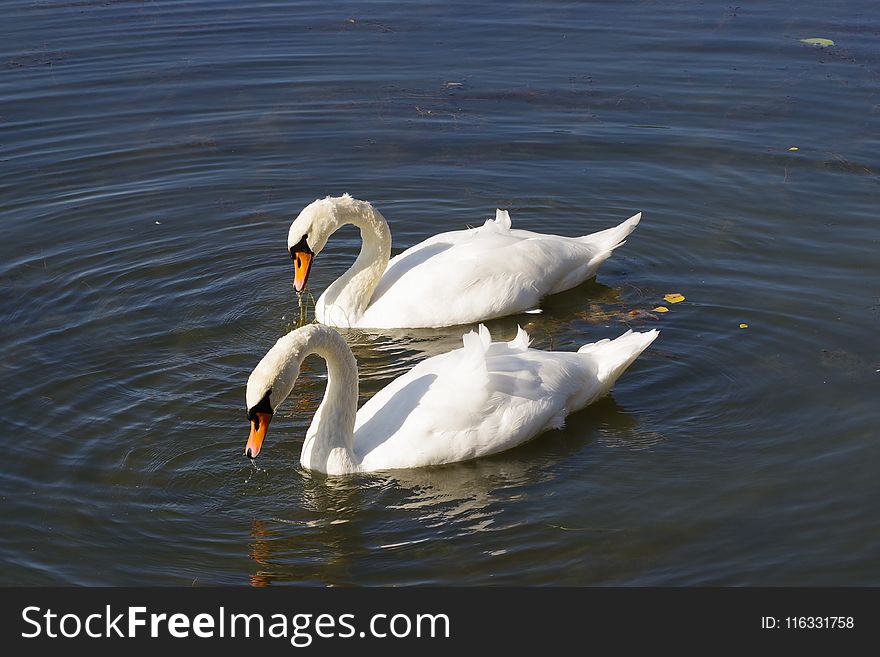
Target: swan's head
[[310, 231], [268, 385]]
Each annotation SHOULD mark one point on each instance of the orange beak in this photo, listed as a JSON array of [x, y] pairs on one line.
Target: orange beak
[[259, 426], [302, 264]]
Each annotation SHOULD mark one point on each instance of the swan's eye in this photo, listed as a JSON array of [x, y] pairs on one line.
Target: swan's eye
[[300, 247], [263, 407]]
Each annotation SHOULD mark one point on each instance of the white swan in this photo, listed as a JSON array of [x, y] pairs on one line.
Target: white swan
[[459, 277], [473, 401]]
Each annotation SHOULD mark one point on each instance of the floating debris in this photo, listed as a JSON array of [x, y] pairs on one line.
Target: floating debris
[[661, 309], [744, 326], [794, 148], [818, 42], [673, 297]]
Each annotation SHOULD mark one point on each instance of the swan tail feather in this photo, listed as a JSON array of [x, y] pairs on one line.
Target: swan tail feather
[[614, 356], [605, 241]]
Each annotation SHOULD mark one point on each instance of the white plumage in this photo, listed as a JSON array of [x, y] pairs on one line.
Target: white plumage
[[480, 399], [458, 277]]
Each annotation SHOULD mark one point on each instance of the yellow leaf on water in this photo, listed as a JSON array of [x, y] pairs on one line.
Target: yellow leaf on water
[[794, 148], [744, 326], [818, 41], [661, 309], [673, 297]]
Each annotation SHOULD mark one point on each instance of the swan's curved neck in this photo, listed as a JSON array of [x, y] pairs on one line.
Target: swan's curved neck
[[330, 438], [347, 298]]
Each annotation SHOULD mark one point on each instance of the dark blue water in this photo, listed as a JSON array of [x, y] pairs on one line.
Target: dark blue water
[[153, 154]]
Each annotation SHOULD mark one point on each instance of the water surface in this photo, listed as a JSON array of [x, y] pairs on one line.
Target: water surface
[[154, 153]]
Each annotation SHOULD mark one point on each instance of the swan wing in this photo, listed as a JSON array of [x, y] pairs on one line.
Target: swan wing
[[470, 275], [478, 400]]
